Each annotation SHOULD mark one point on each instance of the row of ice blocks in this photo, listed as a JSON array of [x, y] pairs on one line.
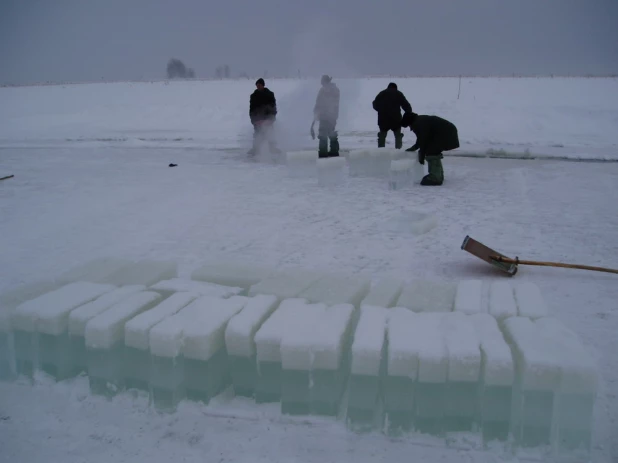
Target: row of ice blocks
[[396, 165]]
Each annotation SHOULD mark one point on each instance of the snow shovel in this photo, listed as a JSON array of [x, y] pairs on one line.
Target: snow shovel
[[510, 265]]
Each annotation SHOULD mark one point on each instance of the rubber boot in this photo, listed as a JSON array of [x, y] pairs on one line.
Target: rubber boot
[[322, 147], [334, 147], [398, 140], [381, 139], [435, 177]]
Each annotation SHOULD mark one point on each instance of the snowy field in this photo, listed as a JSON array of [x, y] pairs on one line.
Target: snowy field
[[91, 180]]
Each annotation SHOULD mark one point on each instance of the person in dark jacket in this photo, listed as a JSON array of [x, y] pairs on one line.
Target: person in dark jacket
[[389, 103], [326, 112], [433, 135], [263, 113]]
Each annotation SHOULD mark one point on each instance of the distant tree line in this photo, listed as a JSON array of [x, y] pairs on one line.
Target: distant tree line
[[176, 69]]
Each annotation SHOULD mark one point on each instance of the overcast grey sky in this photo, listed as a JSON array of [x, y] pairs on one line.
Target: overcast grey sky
[[83, 40]]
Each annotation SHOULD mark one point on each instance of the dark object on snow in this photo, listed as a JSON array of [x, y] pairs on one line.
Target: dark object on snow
[[7, 177], [517, 261], [388, 104], [433, 135], [172, 165], [263, 113], [487, 254]]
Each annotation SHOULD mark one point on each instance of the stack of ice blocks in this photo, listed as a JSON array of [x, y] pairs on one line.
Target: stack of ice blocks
[[104, 336], [188, 351], [8, 302], [240, 342], [40, 328], [137, 365]]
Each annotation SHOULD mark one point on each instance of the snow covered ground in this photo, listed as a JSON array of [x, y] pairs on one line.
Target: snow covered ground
[[73, 201]]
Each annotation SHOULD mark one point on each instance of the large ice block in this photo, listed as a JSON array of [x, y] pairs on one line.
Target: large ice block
[[202, 288], [94, 271], [498, 377], [285, 284], [104, 335], [367, 367], [461, 406], [144, 272], [331, 171], [359, 162], [530, 302], [268, 353], [240, 342], [296, 359], [502, 300], [432, 374], [383, 293], [137, 338], [468, 298], [330, 350], [231, 273], [400, 174], [337, 290], [205, 357], [49, 313], [428, 296], [9, 300], [537, 380], [579, 377], [404, 338]]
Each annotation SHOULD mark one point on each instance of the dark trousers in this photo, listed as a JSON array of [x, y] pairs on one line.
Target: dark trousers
[[384, 132], [326, 133]]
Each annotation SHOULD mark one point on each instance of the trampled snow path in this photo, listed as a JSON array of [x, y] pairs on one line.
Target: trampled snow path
[[69, 206]]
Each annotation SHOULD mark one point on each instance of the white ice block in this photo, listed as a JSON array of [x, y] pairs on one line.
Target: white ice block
[[94, 271], [380, 161], [107, 328], [285, 284], [502, 300], [331, 171], [145, 272], [433, 355], [204, 333], [201, 288], [469, 296], [530, 302], [298, 338], [428, 296], [579, 373], [537, 360], [241, 329], [231, 273], [331, 336], [137, 330], [359, 162], [404, 338], [369, 338], [400, 173], [337, 290], [499, 369], [463, 347], [268, 337], [9, 300], [301, 163], [53, 308], [79, 317]]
